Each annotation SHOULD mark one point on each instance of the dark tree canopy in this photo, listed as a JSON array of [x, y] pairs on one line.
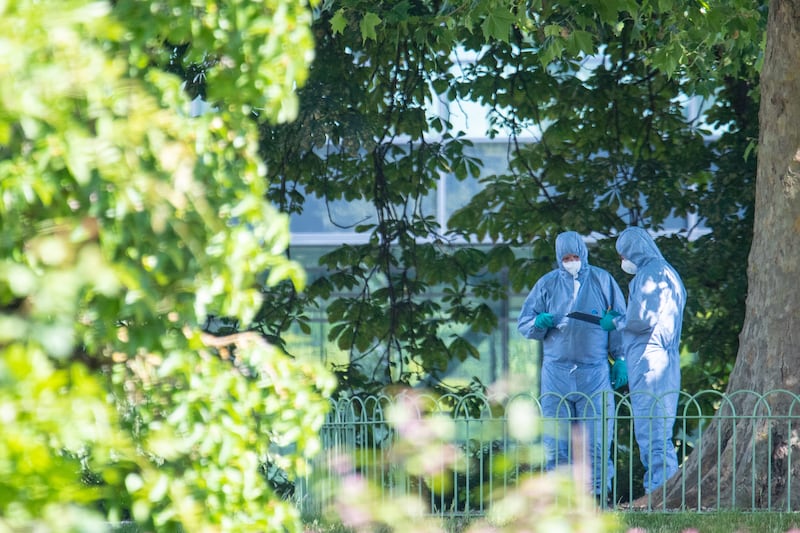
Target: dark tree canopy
[[592, 101]]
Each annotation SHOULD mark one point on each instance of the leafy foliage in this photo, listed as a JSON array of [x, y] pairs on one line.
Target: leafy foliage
[[594, 100], [125, 223]]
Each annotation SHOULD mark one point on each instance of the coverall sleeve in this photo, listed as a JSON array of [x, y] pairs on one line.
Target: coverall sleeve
[[534, 305], [616, 303], [643, 309]]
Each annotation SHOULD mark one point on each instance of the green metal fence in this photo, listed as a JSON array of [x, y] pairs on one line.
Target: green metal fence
[[458, 454]]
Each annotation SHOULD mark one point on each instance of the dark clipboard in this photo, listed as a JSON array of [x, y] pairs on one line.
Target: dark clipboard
[[585, 317]]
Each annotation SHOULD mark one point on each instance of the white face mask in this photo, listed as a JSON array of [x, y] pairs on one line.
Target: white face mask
[[629, 267], [573, 267]]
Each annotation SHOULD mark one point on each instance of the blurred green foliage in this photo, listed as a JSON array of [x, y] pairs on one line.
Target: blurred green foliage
[[125, 222], [423, 457]]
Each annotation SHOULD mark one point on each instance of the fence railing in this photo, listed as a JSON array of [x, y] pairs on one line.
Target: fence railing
[[458, 454]]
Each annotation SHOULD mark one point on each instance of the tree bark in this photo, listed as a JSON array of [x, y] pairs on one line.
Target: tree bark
[[759, 461]]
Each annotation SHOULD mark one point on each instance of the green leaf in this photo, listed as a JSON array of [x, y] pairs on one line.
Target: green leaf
[[497, 24], [553, 30], [338, 22], [583, 41], [461, 349], [367, 26], [608, 10]]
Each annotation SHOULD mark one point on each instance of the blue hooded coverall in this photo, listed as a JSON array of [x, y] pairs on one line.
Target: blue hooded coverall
[[651, 333], [575, 372]]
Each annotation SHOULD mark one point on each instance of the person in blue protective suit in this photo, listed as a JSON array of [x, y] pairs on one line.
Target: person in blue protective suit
[[575, 382], [651, 333]]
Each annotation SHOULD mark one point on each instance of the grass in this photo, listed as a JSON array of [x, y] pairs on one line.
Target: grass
[[653, 522], [716, 522], [644, 522]]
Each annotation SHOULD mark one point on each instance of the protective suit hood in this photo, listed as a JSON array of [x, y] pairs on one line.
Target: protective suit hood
[[570, 242], [636, 245]]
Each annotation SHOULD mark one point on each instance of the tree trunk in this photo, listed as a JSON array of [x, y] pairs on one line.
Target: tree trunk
[[759, 461]]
